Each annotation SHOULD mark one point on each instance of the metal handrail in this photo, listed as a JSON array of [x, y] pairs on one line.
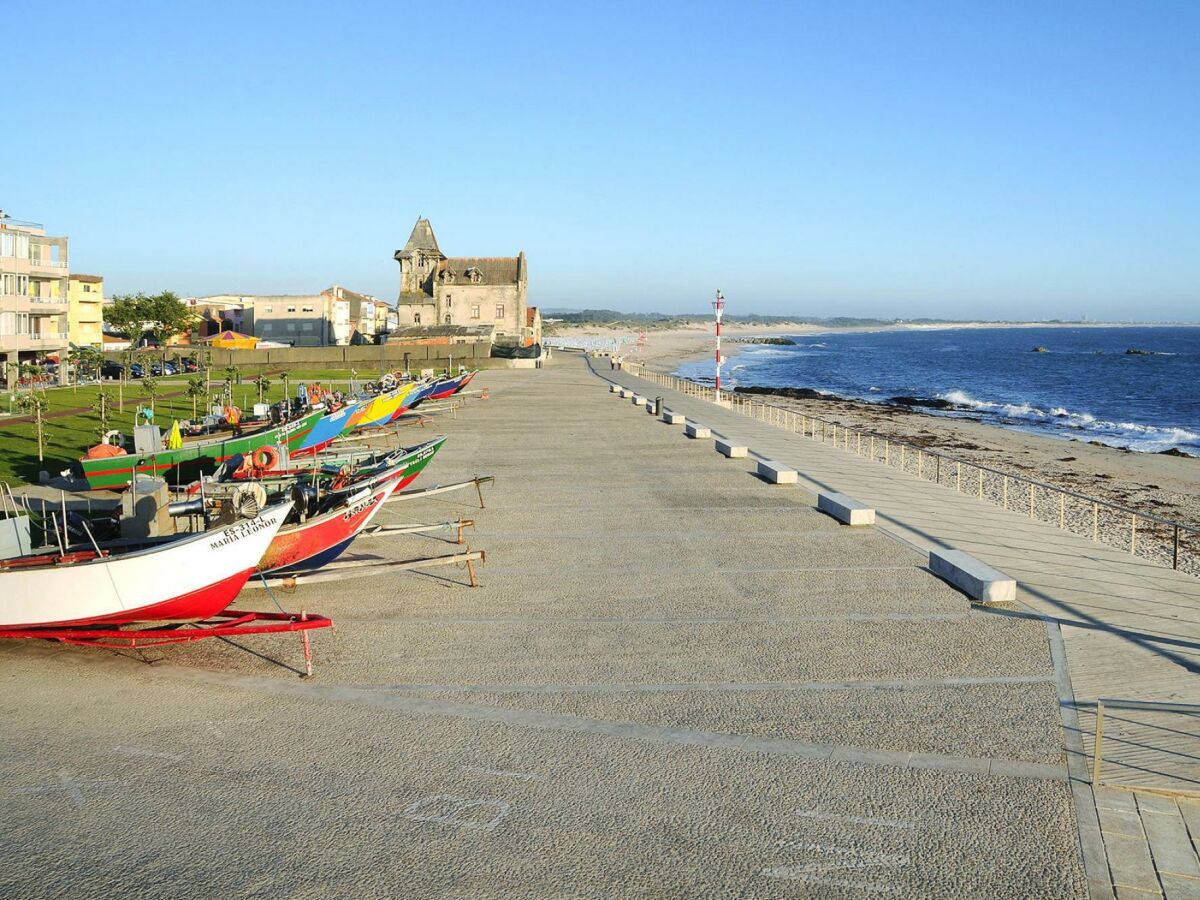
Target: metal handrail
[[740, 399]]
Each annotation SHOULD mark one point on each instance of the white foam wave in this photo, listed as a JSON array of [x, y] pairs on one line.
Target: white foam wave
[[1134, 435]]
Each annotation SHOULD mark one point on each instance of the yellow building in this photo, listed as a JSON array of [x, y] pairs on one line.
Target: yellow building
[[85, 312]]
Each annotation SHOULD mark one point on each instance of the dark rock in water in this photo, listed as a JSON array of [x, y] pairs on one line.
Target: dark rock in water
[[1175, 451], [1040, 349], [1135, 352], [929, 402], [776, 341], [789, 392]]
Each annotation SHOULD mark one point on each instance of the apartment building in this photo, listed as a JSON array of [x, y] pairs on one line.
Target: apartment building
[[33, 296], [85, 314]]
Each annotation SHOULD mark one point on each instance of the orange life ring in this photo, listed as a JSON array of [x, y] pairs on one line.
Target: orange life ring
[[265, 458]]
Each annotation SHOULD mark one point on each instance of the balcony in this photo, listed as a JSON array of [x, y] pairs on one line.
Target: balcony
[[35, 306], [46, 340], [58, 267]]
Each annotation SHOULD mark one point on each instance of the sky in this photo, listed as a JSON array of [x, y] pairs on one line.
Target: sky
[[955, 160]]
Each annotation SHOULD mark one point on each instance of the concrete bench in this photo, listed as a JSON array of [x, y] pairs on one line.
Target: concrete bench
[[637, 400], [614, 388], [776, 473], [976, 579], [674, 418], [729, 449], [696, 430], [626, 392], [846, 509]]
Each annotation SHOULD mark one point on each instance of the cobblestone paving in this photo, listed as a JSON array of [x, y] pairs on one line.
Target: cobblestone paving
[[675, 680]]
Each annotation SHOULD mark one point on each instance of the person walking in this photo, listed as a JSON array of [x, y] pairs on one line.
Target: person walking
[[233, 416]]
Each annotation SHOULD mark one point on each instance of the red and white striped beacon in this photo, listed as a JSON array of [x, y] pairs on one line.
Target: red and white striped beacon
[[719, 308]]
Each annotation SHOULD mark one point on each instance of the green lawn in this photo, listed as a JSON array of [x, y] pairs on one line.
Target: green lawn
[[68, 437]]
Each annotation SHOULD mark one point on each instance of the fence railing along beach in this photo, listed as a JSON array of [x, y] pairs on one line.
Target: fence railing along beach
[[1146, 535]]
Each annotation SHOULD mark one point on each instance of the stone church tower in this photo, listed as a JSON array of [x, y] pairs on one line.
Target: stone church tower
[[466, 295]]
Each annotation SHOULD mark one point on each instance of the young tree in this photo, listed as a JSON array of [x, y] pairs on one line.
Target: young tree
[[36, 406], [196, 389], [103, 410], [150, 389], [262, 382]]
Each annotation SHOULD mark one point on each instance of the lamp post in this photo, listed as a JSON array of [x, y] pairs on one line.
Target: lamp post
[[719, 309]]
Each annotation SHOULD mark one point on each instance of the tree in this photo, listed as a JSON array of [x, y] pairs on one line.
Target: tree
[[163, 315], [196, 389], [150, 389], [36, 406], [262, 382], [85, 362], [103, 409]]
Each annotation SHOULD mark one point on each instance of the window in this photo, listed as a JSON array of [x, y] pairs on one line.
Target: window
[[291, 309], [269, 309], [447, 318], [499, 310], [306, 326], [87, 288], [416, 318], [306, 309], [475, 311]]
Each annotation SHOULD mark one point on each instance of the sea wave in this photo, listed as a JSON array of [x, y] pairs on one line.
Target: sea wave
[[1133, 435]]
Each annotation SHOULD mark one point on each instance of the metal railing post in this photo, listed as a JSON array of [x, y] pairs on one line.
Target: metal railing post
[[1099, 740]]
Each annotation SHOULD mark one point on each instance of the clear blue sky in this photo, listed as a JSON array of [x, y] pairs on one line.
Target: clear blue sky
[[893, 159]]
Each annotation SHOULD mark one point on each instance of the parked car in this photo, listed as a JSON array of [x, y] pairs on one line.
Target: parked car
[[110, 369]]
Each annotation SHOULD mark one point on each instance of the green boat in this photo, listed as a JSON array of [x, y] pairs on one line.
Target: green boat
[[194, 459]]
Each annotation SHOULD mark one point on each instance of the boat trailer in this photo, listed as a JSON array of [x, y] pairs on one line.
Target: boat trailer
[[341, 569], [477, 482], [229, 624]]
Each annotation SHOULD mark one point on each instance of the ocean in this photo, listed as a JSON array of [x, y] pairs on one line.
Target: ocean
[[1084, 386]]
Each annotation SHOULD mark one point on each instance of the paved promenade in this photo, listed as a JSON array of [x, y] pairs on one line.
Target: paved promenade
[[1130, 629], [674, 679]]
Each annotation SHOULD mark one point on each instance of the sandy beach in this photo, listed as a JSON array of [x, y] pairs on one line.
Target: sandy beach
[[1156, 484]]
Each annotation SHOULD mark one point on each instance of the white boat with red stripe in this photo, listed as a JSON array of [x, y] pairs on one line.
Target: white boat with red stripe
[[189, 579]]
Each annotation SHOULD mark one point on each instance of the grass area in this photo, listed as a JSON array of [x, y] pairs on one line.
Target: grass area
[[67, 437]]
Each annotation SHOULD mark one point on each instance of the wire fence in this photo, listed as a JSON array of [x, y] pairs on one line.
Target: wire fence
[[1145, 535]]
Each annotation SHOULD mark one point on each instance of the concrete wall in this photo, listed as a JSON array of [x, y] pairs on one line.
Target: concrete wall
[[365, 358]]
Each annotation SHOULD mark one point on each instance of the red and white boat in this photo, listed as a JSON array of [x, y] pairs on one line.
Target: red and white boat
[[189, 579], [322, 539]]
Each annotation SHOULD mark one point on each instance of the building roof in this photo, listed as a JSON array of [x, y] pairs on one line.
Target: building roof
[[398, 335], [422, 238], [492, 269], [90, 279], [342, 293]]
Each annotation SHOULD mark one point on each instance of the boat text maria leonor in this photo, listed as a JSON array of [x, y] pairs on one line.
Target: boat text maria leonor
[[191, 578]]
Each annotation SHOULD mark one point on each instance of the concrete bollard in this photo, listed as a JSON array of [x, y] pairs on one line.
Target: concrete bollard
[[673, 418], [846, 509], [626, 392], [776, 473], [696, 430], [730, 450], [973, 577], [614, 389]]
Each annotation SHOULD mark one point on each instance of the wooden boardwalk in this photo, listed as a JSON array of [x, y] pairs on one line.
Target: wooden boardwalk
[[1130, 629]]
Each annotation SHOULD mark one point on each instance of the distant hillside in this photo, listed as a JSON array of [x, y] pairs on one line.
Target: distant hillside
[[611, 318]]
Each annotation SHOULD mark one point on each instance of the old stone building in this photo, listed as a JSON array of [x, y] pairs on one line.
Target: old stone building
[[477, 295]]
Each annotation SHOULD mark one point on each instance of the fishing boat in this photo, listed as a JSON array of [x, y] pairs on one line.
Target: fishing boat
[[194, 458], [383, 408], [327, 429], [421, 393], [185, 579], [449, 386], [317, 541]]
